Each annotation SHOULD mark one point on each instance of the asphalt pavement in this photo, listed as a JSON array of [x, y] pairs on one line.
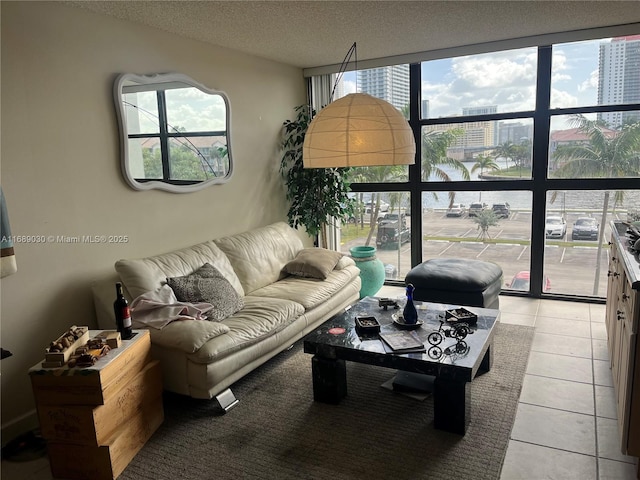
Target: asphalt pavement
[[570, 266]]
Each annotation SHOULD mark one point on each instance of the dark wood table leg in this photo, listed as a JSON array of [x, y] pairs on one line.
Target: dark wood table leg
[[487, 361], [451, 405], [329, 379]]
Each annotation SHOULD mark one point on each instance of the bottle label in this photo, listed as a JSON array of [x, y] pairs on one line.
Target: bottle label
[[126, 317]]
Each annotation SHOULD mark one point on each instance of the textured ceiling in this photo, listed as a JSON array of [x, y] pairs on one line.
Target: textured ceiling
[[317, 33]]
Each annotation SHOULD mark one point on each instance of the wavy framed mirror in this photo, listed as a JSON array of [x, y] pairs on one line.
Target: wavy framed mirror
[[174, 132]]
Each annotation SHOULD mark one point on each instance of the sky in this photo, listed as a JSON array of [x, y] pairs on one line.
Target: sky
[[507, 79], [188, 108]]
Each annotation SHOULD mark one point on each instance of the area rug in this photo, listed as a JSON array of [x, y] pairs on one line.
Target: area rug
[[278, 432]]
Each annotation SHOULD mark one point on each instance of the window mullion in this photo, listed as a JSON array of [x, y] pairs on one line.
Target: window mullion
[[541, 126], [415, 171], [164, 137]]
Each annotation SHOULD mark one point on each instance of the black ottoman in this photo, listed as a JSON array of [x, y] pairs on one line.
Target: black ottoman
[[457, 281]]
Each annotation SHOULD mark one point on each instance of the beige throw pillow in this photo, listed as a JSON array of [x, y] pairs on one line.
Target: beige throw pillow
[[313, 263]]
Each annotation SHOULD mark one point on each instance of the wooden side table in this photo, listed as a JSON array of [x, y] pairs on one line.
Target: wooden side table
[[96, 419]]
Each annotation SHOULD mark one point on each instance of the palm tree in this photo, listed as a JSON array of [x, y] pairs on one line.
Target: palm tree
[[522, 154], [506, 150], [382, 174], [396, 200], [406, 111], [484, 220], [484, 162], [608, 153], [434, 154]]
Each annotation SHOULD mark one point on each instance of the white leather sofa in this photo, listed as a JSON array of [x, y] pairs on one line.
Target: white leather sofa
[[203, 358]]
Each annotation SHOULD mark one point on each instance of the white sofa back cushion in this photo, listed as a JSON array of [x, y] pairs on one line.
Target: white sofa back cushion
[[148, 274], [259, 255]]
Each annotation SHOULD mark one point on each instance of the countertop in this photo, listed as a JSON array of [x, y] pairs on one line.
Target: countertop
[[631, 260]]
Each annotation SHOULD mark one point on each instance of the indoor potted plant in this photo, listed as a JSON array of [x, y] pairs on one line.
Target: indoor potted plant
[[317, 195]]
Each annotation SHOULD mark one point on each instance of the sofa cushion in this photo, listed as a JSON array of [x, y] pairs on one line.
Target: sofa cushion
[[208, 285], [148, 274], [258, 256], [310, 292], [313, 262], [260, 318], [188, 336]]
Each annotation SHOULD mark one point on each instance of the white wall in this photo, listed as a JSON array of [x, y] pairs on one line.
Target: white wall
[[61, 176]]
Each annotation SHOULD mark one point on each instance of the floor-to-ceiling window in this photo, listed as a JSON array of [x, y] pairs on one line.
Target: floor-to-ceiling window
[[524, 157]]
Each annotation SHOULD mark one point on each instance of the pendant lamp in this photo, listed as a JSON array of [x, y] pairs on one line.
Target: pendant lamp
[[358, 130]]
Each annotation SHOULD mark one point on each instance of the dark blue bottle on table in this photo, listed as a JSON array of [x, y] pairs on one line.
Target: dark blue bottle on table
[[410, 313]]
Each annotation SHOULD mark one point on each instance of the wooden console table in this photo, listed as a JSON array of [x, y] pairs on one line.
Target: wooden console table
[[96, 419]]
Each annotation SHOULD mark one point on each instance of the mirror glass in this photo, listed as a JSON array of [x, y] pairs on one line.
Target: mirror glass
[[174, 132]]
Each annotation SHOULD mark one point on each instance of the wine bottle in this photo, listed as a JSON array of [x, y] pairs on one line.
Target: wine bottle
[[123, 313], [410, 313]]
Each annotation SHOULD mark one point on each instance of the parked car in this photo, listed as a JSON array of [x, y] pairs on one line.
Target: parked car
[[456, 210], [366, 217], [384, 206], [390, 271], [502, 210], [389, 234], [393, 217], [585, 228], [520, 281], [555, 227], [476, 208]]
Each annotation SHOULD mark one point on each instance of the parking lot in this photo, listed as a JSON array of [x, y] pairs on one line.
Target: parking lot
[[569, 265]]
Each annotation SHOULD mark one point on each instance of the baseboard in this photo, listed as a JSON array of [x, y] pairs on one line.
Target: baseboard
[[19, 426]]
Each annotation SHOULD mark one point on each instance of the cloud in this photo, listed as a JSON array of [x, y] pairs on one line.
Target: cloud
[[559, 60], [196, 111], [590, 83], [563, 99], [506, 79], [574, 75], [349, 87], [494, 70]]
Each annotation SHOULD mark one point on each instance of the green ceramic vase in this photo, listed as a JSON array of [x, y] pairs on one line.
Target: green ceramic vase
[[371, 269]]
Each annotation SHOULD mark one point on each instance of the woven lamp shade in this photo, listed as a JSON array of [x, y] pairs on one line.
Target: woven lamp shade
[[358, 131]]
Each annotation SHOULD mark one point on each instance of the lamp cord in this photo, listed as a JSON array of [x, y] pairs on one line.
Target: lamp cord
[[343, 66]]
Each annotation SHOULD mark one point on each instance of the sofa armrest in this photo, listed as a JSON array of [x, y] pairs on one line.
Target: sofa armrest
[[344, 262]]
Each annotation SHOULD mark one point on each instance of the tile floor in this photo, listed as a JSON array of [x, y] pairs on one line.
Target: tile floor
[[565, 427]]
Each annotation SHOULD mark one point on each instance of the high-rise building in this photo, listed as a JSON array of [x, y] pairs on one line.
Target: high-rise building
[[619, 77], [425, 109], [388, 83], [489, 127], [476, 138], [485, 110], [514, 132]]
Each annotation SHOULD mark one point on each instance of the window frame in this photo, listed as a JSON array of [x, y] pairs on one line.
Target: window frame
[[539, 184]]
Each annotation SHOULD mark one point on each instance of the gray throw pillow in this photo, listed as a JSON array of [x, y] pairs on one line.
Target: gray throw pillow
[[313, 263], [208, 285]]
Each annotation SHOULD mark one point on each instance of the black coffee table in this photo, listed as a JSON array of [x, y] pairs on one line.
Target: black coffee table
[[337, 341]]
